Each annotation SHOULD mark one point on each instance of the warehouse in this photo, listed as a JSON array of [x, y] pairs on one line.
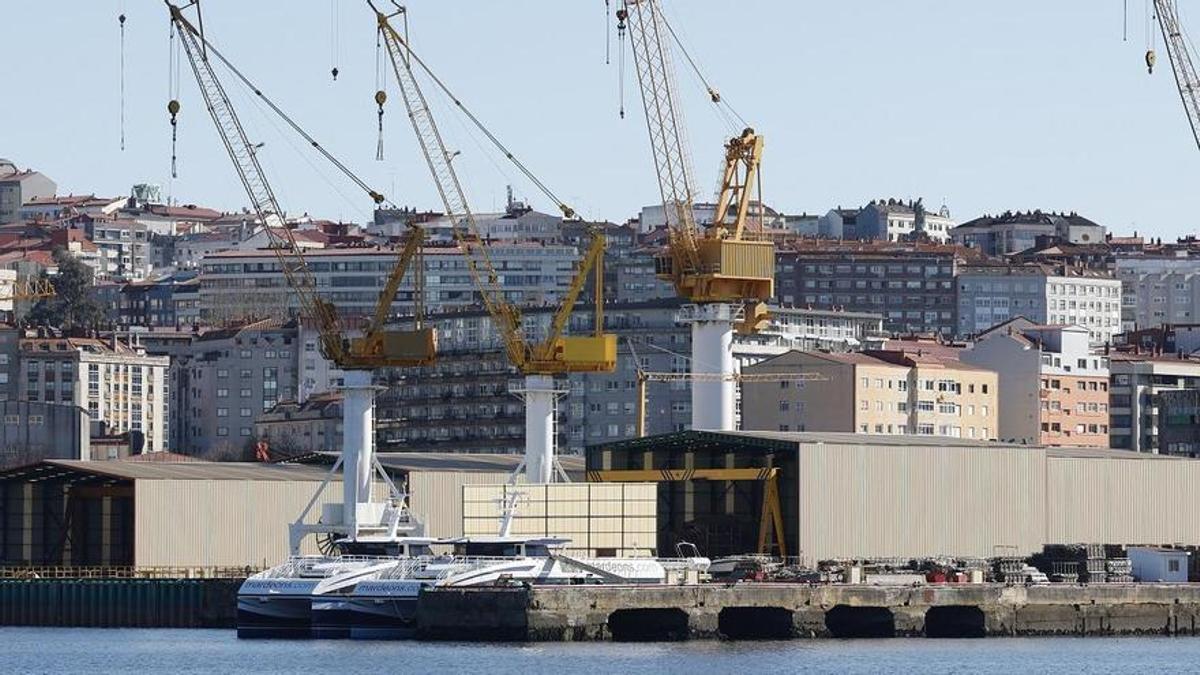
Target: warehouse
[[856, 496], [200, 517], [435, 482]]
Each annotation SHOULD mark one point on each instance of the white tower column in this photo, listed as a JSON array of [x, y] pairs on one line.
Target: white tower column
[[358, 444], [712, 353], [540, 398]]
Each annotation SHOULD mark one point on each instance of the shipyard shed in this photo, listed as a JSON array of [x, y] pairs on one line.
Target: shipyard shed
[[198, 517], [435, 481], [867, 496]]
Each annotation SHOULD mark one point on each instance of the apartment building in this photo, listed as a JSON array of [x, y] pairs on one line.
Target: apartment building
[[1014, 232], [910, 285], [236, 285], [989, 295], [18, 186], [1053, 388], [226, 379], [1137, 385], [122, 388], [878, 392]]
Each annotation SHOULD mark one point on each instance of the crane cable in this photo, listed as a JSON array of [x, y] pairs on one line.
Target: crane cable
[[334, 46], [375, 196], [566, 210], [713, 94], [121, 22]]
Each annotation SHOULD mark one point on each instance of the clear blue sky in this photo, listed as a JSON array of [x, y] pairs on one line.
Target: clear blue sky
[[989, 105]]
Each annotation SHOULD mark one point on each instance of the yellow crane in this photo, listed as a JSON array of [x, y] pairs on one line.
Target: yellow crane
[[379, 345], [727, 269], [1186, 79], [556, 354]]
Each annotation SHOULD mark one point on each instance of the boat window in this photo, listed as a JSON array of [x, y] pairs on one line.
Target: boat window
[[491, 549]]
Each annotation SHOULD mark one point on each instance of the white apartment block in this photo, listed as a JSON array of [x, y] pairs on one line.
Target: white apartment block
[[117, 383], [249, 284], [988, 296]]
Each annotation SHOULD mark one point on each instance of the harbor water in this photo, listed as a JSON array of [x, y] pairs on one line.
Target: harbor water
[[143, 651]]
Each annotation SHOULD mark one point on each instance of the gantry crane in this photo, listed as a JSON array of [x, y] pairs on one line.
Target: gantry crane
[[724, 270], [556, 354], [379, 346], [1186, 79]]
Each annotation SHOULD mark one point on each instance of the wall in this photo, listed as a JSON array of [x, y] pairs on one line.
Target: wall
[[1130, 501], [221, 523], [31, 431], [620, 517], [900, 501], [436, 498]]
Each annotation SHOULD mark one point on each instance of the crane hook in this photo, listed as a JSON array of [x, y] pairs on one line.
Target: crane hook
[[173, 108], [1150, 59], [380, 99]]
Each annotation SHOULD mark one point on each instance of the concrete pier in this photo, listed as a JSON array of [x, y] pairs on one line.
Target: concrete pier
[[779, 611]]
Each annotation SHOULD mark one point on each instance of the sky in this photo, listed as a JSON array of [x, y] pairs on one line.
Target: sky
[[983, 106]]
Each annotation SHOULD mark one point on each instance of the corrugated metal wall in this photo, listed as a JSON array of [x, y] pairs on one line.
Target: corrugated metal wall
[[617, 517], [229, 523], [899, 501], [1126, 501], [436, 498]]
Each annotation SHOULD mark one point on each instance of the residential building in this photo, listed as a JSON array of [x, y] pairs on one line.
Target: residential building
[[910, 284], [1179, 422], [1010, 232], [1137, 384], [19, 186], [31, 431], [226, 379], [1053, 389], [50, 208], [1169, 338], [10, 363], [164, 302], [123, 388], [877, 392], [1156, 298], [236, 284], [898, 220], [654, 217], [992, 294], [292, 428]]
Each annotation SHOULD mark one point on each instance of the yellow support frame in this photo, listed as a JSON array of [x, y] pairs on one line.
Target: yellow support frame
[[771, 520]]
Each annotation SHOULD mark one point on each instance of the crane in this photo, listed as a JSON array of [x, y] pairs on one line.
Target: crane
[[556, 353], [378, 346], [1186, 79], [723, 270]]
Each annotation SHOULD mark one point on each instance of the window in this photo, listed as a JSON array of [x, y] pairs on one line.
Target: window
[[222, 431], [222, 393], [244, 431], [784, 405], [983, 410], [925, 429], [244, 412], [902, 385], [222, 372], [222, 412], [864, 405], [925, 406], [1173, 565], [244, 393], [866, 382]]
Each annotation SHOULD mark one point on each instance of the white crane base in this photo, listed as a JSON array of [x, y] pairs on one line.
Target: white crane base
[[713, 402], [541, 428]]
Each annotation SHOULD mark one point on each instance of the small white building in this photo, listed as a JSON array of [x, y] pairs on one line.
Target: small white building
[[1158, 564]]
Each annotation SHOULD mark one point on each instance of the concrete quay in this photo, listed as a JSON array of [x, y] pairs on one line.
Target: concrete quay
[[781, 611]]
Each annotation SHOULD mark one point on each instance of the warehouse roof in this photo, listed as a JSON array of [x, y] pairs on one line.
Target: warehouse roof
[[783, 440], [452, 461], [127, 470]]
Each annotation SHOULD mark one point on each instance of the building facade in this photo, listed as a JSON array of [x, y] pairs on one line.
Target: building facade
[[877, 392], [910, 285], [1135, 397], [989, 295], [18, 187], [123, 389], [1009, 232], [1053, 389]]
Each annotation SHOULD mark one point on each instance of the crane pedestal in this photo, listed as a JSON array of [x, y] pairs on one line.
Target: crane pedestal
[[358, 449], [712, 352], [541, 433]]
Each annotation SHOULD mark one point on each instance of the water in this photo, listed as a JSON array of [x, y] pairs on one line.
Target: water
[[144, 651]]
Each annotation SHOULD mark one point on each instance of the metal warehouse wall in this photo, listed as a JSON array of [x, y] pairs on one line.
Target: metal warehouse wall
[[221, 523], [900, 501], [436, 498], [1127, 501], [599, 518]]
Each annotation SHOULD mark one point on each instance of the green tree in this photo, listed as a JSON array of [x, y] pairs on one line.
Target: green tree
[[74, 304]]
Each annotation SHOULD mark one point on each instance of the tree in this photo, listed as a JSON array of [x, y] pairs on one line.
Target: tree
[[74, 304]]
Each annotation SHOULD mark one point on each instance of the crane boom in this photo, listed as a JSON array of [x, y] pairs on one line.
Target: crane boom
[[722, 263], [1186, 79], [377, 347], [458, 212]]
